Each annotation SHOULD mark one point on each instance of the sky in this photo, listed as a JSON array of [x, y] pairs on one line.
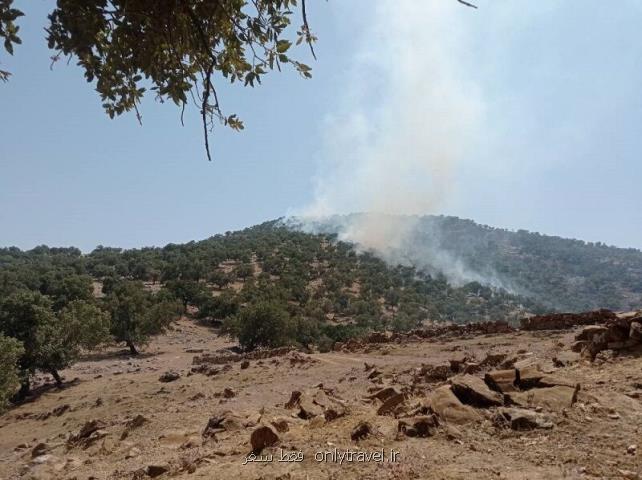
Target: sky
[[516, 115]]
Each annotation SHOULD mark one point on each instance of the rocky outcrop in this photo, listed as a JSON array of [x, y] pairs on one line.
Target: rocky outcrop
[[615, 334], [561, 321]]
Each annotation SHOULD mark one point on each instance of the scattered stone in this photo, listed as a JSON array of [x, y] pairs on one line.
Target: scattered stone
[[228, 393], [294, 399], [263, 437], [521, 419], [168, 376], [424, 426], [280, 424], [384, 394], [308, 409], [89, 433], [39, 449], [632, 449], [154, 471], [391, 404], [361, 431], [473, 391], [493, 359], [445, 404], [245, 364], [136, 422]]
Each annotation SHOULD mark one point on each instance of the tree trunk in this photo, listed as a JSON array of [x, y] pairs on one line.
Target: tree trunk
[[56, 376], [25, 388], [132, 348]]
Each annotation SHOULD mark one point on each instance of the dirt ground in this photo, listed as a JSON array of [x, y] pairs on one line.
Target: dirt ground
[[598, 435]]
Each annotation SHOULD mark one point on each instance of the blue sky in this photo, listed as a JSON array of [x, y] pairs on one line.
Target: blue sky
[[525, 115]]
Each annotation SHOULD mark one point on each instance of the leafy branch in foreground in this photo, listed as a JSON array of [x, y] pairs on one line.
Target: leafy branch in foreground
[[177, 49]]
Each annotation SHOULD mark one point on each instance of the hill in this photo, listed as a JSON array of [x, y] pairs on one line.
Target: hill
[[559, 273], [327, 290]]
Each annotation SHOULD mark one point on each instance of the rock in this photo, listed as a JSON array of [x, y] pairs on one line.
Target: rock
[[521, 419], [334, 411], [245, 364], [552, 398], [154, 471], [225, 421], [578, 346], [132, 453], [263, 437], [457, 363], [502, 380], [632, 449], [558, 321], [136, 422], [423, 426], [471, 367], [280, 424], [89, 433], [591, 331], [39, 449], [168, 376], [308, 409], [528, 377], [361, 431], [390, 404], [473, 391], [445, 404], [493, 359], [384, 394], [228, 393], [294, 399]]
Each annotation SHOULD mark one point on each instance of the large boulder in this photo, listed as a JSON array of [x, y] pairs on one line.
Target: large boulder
[[444, 403], [552, 398], [502, 381], [473, 391]]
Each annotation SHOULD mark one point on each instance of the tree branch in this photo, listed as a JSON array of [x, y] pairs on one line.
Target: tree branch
[[463, 2]]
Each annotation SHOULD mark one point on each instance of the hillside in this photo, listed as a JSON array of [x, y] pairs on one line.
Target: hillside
[[560, 273], [329, 291]]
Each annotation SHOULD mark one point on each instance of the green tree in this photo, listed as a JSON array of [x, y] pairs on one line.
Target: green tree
[[264, 324], [176, 50], [135, 315], [10, 351], [51, 341]]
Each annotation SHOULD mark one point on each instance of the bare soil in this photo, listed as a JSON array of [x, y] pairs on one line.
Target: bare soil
[[598, 436]]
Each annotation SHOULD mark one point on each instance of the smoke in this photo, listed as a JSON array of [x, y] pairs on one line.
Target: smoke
[[409, 115]]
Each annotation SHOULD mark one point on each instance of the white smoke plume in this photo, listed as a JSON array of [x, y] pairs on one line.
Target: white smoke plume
[[409, 116]]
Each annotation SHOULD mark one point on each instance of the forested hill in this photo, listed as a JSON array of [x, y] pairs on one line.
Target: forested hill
[[560, 273], [325, 287]]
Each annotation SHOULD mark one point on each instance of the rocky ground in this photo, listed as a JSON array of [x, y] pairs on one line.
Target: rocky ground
[[454, 404]]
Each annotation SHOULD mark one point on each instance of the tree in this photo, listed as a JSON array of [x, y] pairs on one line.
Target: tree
[[135, 315], [172, 49], [10, 351], [264, 324], [51, 341], [188, 292]]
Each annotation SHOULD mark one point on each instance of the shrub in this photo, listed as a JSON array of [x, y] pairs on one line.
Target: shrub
[[10, 351], [264, 324]]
